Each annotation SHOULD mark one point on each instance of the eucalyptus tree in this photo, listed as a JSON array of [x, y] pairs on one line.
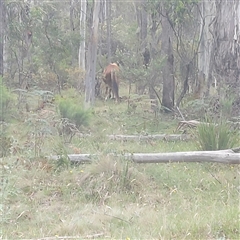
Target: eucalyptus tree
[[168, 91], [92, 58], [198, 42], [2, 18], [219, 55], [19, 34], [82, 50], [108, 5]]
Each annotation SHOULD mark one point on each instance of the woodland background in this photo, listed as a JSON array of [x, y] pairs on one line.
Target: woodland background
[[166, 49]]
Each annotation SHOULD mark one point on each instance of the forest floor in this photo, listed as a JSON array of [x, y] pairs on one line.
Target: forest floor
[[111, 198]]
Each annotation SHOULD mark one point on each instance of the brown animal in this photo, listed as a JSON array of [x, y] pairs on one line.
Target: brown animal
[[110, 78]]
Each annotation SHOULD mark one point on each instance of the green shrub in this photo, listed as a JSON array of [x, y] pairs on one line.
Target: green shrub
[[76, 114], [215, 136], [5, 140]]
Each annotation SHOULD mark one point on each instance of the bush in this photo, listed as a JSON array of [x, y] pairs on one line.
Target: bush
[[5, 140], [70, 110], [215, 136]]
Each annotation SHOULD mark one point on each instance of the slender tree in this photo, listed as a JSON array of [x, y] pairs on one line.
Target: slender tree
[[82, 50], [109, 16], [92, 58], [207, 16], [167, 71], [1, 37]]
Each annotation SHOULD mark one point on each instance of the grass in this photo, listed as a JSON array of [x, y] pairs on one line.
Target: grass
[[216, 136], [111, 197], [159, 201]]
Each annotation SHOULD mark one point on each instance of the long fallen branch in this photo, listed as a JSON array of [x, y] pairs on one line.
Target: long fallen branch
[[97, 235], [203, 156], [223, 156], [165, 137]]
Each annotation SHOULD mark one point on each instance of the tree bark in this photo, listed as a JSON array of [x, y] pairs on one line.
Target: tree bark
[[168, 71], [109, 30], [72, 28], [219, 52], [1, 37], [226, 34], [92, 58], [207, 16], [142, 21], [82, 55]]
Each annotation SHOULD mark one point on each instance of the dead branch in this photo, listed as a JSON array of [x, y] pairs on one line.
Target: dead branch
[[227, 156], [92, 236], [190, 124], [164, 137]]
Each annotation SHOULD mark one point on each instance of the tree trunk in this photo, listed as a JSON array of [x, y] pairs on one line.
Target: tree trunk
[[92, 58], [82, 56], [72, 28], [1, 37], [226, 34], [143, 52], [219, 52], [207, 15], [167, 73], [108, 13]]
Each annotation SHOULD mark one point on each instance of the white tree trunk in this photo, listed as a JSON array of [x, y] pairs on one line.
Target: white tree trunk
[[109, 30], [226, 61], [92, 58], [1, 37], [219, 51], [208, 12], [82, 56]]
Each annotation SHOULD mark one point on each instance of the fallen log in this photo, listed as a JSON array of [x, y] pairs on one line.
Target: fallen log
[[228, 157], [223, 156], [165, 137], [76, 158]]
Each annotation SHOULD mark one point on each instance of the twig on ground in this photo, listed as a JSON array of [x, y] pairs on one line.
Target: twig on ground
[[97, 235]]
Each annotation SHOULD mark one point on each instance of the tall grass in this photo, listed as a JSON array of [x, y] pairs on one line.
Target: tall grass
[[215, 135], [5, 99]]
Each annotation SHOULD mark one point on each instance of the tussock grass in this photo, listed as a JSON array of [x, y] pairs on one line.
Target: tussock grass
[[216, 135], [110, 177]]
